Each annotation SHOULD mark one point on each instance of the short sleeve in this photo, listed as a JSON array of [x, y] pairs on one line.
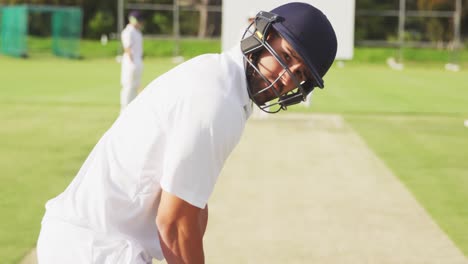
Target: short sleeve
[[126, 39], [199, 140]]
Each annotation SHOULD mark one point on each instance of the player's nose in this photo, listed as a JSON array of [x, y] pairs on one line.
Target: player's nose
[[288, 80]]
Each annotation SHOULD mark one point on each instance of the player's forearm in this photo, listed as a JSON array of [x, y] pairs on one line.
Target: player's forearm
[[203, 219], [128, 51], [182, 243]]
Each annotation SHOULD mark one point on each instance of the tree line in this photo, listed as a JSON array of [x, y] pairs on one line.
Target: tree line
[[100, 17], [418, 29]]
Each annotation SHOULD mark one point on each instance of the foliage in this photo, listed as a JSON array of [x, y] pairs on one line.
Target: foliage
[[162, 22], [39, 24], [101, 23], [429, 29], [91, 7], [189, 23], [375, 28], [367, 27]]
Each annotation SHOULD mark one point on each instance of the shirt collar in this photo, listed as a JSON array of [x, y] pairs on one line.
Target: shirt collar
[[236, 55]]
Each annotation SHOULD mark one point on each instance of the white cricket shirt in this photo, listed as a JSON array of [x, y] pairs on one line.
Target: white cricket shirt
[[176, 136], [132, 38], [131, 69]]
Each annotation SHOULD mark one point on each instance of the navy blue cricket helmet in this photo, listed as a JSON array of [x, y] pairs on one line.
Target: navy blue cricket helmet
[[308, 31], [137, 15]]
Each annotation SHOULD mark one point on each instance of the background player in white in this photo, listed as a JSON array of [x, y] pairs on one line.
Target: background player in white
[[142, 193], [132, 59]]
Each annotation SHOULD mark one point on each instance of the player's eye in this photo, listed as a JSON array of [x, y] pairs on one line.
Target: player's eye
[[286, 56]]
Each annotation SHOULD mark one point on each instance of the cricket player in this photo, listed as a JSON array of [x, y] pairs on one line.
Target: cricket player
[[132, 59], [143, 191]]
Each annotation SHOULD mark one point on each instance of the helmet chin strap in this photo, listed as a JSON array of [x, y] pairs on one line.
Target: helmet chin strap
[[252, 45]]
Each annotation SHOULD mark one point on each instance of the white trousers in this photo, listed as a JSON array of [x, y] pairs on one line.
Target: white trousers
[[61, 242], [130, 81]]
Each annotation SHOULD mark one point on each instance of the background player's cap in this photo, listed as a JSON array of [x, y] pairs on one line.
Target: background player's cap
[[137, 15], [310, 33]]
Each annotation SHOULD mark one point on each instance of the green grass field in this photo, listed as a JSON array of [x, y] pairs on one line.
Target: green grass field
[[413, 120], [53, 111]]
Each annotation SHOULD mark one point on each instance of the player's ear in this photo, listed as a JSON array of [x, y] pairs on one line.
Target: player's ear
[[272, 35]]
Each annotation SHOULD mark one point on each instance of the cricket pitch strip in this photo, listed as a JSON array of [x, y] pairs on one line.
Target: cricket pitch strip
[[307, 189]]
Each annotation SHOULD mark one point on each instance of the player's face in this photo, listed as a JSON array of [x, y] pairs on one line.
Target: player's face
[[272, 71], [141, 25]]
